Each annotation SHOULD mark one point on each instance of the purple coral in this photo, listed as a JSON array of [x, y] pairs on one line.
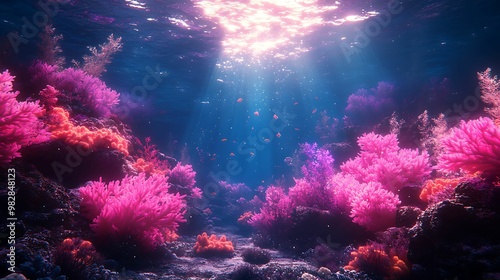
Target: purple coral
[[19, 124], [318, 165], [135, 210], [365, 106], [98, 99], [472, 147], [183, 177]]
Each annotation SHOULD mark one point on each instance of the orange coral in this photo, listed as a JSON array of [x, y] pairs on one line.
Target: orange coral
[[373, 259], [245, 217], [74, 255], [212, 245], [433, 187], [62, 128], [148, 167]]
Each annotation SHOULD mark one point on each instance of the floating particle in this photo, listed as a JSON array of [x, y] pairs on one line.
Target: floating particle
[[288, 161], [296, 103]]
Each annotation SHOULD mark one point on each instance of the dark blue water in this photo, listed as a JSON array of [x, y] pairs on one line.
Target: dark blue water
[[193, 112]]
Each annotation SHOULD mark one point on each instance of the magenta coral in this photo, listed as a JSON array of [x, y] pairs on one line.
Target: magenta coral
[[368, 204], [183, 175], [472, 147], [19, 124], [277, 210], [381, 160], [135, 209]]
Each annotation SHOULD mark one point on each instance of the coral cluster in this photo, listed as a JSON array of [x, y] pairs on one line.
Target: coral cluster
[[374, 259], [210, 246], [62, 128], [136, 210], [19, 123], [381, 160]]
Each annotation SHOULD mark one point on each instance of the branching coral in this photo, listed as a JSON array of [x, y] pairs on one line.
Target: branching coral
[[62, 128], [212, 246], [472, 147], [276, 211], [135, 210], [381, 160], [19, 124]]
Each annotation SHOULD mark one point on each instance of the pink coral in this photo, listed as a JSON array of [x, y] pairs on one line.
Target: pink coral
[[183, 175], [136, 210], [381, 160], [19, 124], [368, 204], [472, 147], [373, 207]]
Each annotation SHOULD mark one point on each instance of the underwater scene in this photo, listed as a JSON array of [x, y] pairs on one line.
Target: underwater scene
[[250, 139]]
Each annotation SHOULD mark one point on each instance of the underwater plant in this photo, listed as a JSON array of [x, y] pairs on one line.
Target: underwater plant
[[490, 92], [19, 124]]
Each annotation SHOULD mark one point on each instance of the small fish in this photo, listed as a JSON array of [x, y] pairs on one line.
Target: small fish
[[278, 135], [239, 100], [288, 161], [267, 140], [275, 117], [223, 140], [256, 113], [314, 111], [296, 103], [297, 129], [231, 154]]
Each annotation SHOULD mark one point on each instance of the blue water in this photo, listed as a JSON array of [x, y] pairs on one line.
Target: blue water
[[193, 113]]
